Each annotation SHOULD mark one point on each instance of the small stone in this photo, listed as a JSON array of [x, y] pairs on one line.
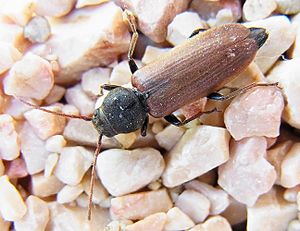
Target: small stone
[[288, 6], [84, 3], [126, 140], [117, 225], [77, 97], [4, 225], [247, 175], [93, 79], [74, 218], [140, 205], [246, 116], [77, 160], [45, 124], [153, 222], [294, 225], [296, 46], [279, 28], [224, 16], [69, 193], [37, 30], [10, 55], [124, 171], [121, 73], [290, 171], [286, 73], [33, 149], [51, 164], [235, 213], [200, 149], [82, 200], [43, 186], [178, 220], [290, 194], [271, 212], [16, 108], [54, 8], [183, 26], [16, 169], [169, 136], [152, 53], [155, 185], [9, 139], [70, 109], [55, 95], [55, 143], [257, 9], [2, 167], [36, 218], [219, 199], [12, 206], [30, 77], [194, 204], [215, 223]]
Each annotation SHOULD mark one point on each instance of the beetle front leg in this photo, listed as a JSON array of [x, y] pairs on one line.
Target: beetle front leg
[[129, 17]]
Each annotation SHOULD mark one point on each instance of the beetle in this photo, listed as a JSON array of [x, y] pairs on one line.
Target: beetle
[[197, 68]]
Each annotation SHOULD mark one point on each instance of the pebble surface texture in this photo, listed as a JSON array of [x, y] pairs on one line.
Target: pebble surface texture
[[235, 165]]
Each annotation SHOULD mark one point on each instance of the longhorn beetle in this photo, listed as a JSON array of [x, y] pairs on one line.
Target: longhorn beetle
[[199, 67]]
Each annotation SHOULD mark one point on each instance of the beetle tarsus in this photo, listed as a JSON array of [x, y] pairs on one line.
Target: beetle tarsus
[[132, 65], [197, 31]]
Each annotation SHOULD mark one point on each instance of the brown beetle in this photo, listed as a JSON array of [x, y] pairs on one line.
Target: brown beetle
[[197, 68]]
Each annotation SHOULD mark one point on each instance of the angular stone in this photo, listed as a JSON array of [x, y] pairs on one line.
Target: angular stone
[[55, 95], [12, 206], [178, 220], [15, 107], [247, 175], [153, 222], [200, 149], [290, 194], [37, 30], [152, 53], [69, 193], [256, 9], [246, 116], [55, 143], [43, 186], [194, 204], [121, 73], [215, 223], [126, 140], [51, 164], [16, 169], [54, 8], [168, 137], [124, 171], [140, 205], [10, 55], [36, 217]]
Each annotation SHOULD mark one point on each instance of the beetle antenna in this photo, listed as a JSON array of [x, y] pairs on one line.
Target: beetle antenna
[[87, 118], [97, 151]]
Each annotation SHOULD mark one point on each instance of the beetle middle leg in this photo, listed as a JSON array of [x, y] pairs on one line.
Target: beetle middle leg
[[129, 17]]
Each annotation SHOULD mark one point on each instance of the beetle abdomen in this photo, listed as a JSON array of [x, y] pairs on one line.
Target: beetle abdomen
[[194, 69]]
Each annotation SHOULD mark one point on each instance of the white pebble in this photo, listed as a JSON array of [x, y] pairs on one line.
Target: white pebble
[[290, 194], [288, 6], [214, 223], [37, 30], [168, 137], [55, 143], [152, 53], [153, 222], [10, 55], [294, 225], [258, 9], [178, 220], [51, 164], [55, 95], [43, 186], [54, 8], [69, 193], [121, 73], [84, 3]]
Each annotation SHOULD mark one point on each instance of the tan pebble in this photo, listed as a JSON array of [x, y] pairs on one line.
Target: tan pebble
[[276, 155], [102, 46], [55, 143], [152, 53], [75, 218], [9, 139], [42, 186], [279, 28], [16, 169], [155, 185], [37, 30], [254, 178], [10, 55], [30, 77], [93, 79], [55, 95], [153, 222], [296, 46], [51, 164], [126, 140], [219, 199], [124, 171], [294, 225], [140, 205], [45, 124], [257, 9], [12, 206], [246, 116], [69, 193], [37, 216], [77, 97], [84, 3], [157, 126], [2, 167], [288, 6], [178, 220], [290, 194], [4, 225], [183, 26], [272, 212], [200, 149], [215, 223], [194, 204], [77, 160], [290, 171], [33, 149], [169, 136], [286, 73], [236, 212], [53, 8]]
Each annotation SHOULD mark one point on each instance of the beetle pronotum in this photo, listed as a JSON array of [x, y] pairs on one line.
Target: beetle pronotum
[[197, 68]]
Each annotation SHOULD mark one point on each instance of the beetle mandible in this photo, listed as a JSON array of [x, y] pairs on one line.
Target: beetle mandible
[[197, 68]]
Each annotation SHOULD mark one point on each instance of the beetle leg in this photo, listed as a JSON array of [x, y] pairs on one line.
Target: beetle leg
[[129, 17], [145, 126], [109, 87], [197, 31], [219, 96], [172, 119]]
